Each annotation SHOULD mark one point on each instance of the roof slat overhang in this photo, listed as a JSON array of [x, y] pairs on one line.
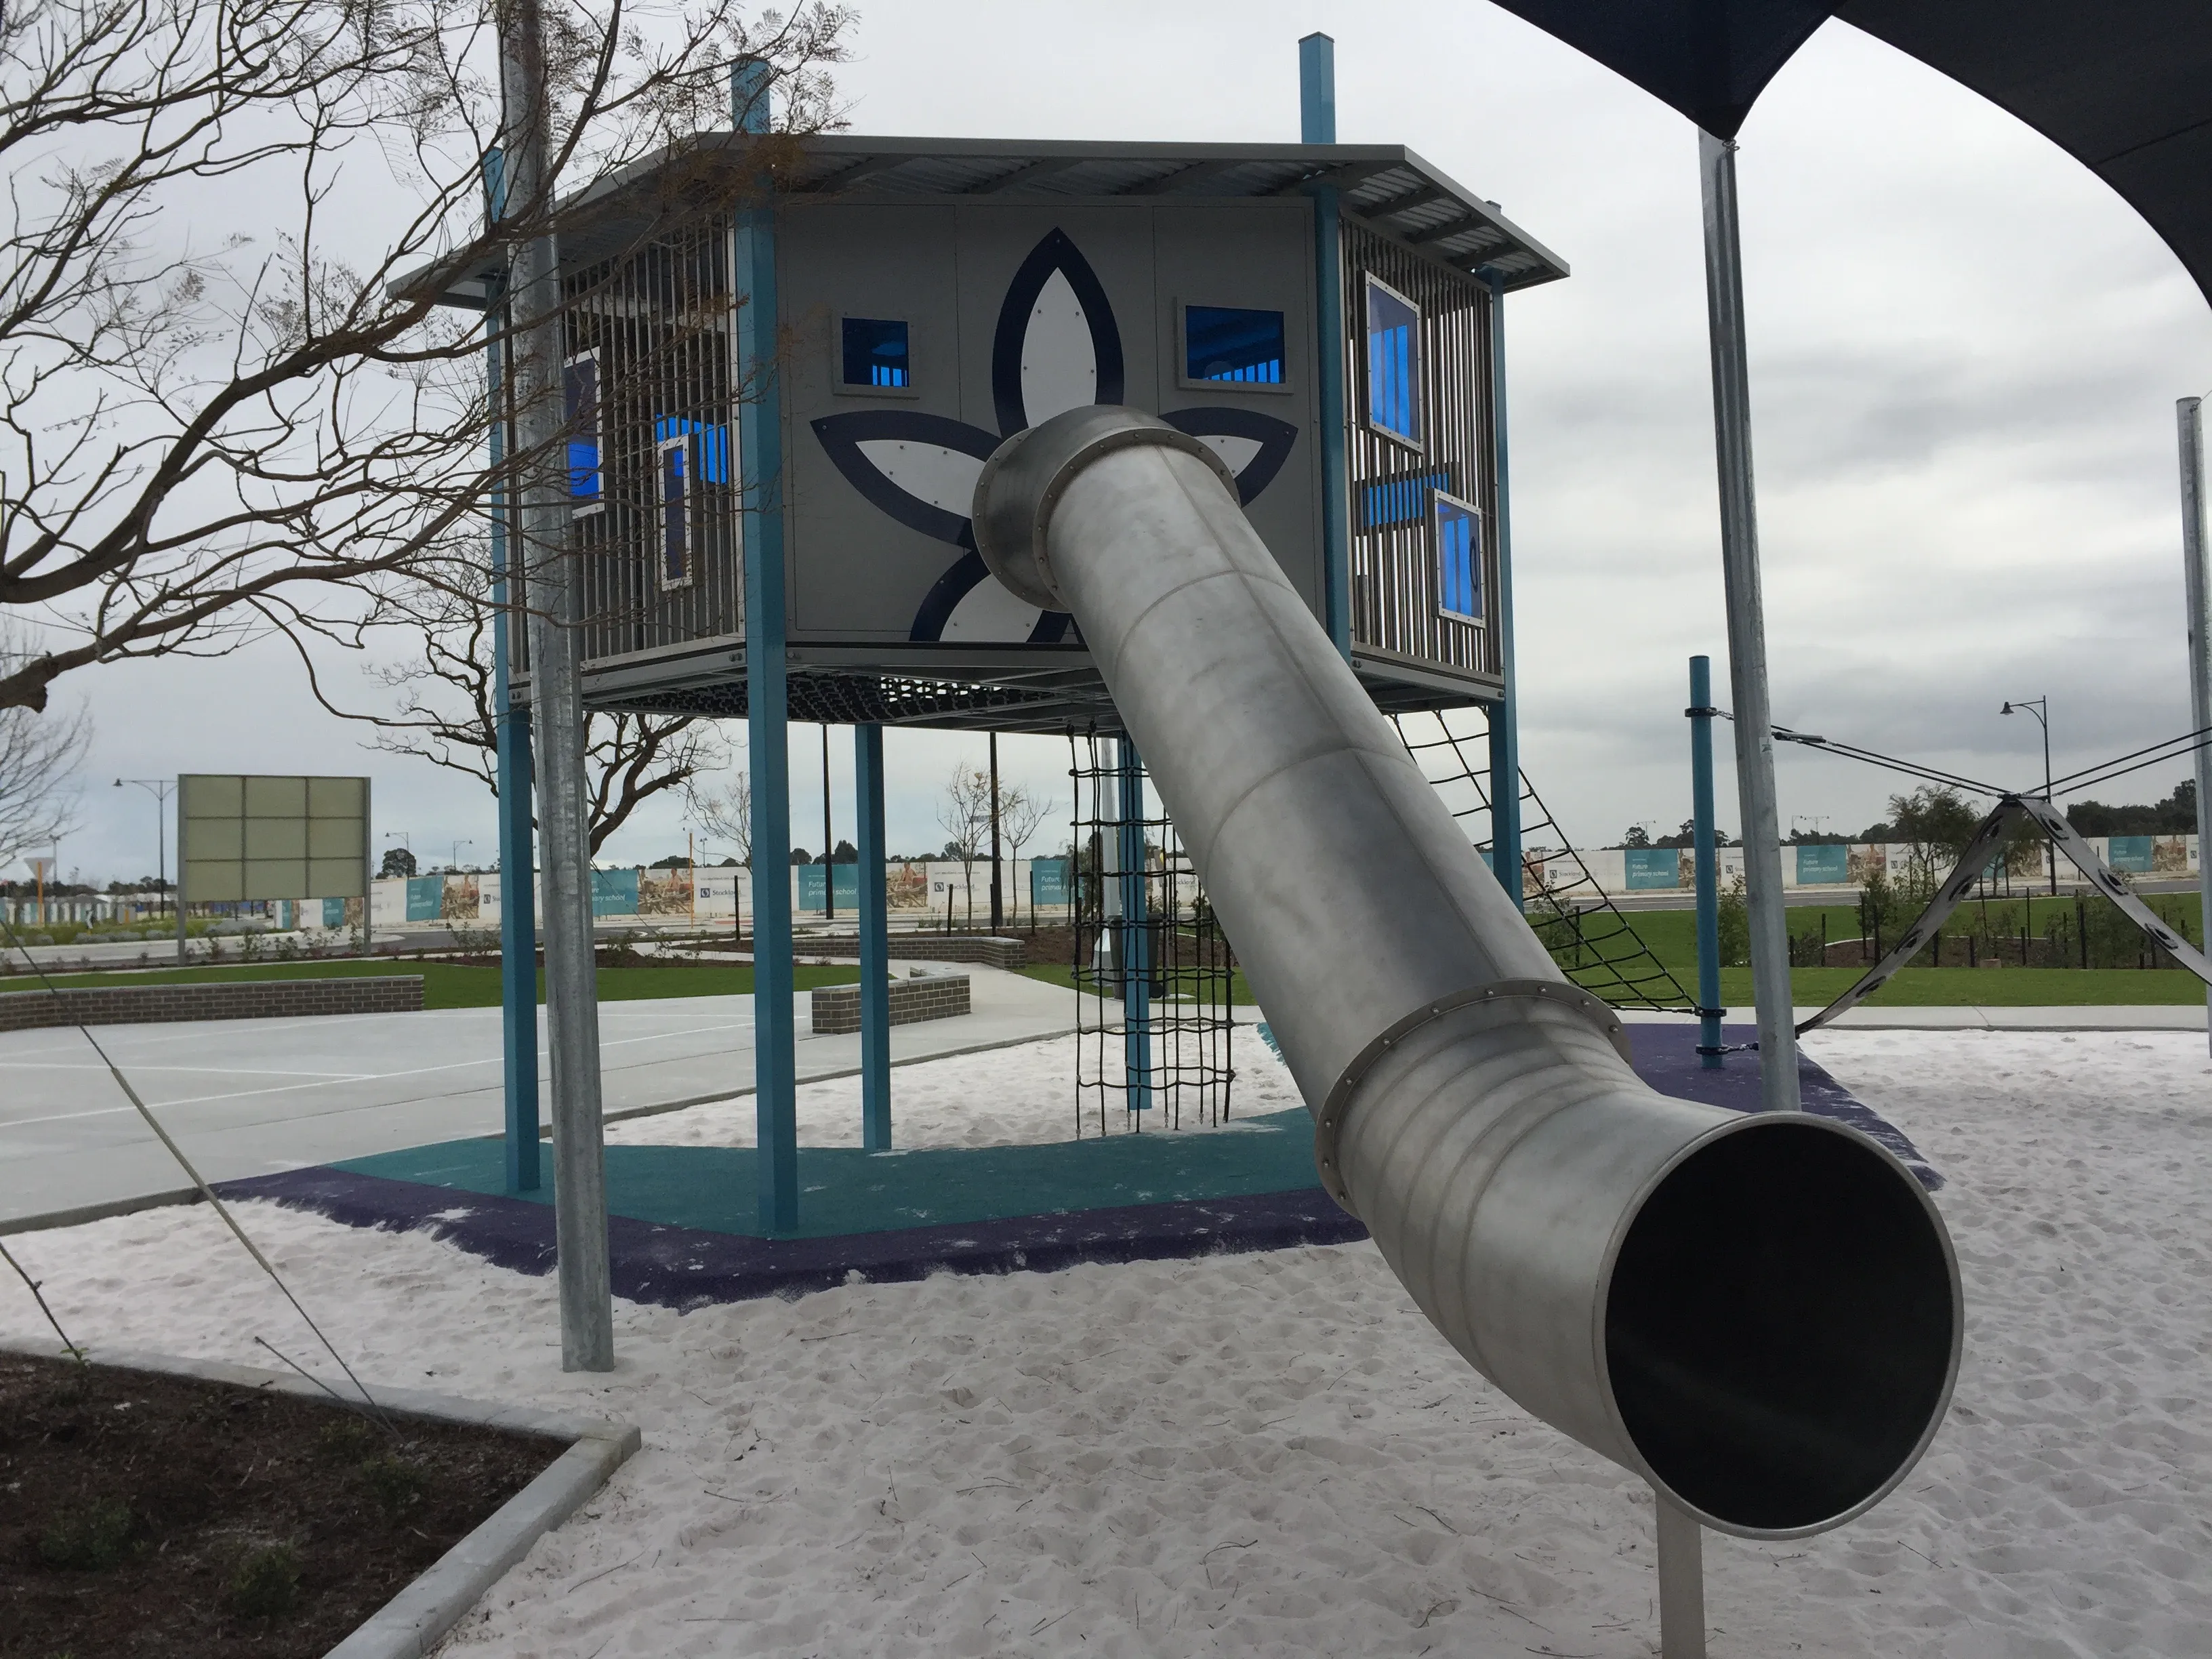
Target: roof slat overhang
[[1378, 183]]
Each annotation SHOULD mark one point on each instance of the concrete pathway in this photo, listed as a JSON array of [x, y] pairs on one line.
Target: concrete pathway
[[247, 1097]]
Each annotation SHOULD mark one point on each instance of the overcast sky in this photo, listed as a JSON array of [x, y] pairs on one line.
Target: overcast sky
[[1964, 354]]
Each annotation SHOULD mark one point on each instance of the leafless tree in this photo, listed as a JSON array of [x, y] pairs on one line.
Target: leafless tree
[[39, 755], [445, 716], [1020, 814], [728, 812], [206, 434], [964, 814]]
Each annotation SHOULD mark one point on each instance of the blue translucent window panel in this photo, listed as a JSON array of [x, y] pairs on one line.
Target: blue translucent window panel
[[876, 353], [1459, 560], [1394, 364], [713, 445], [1220, 343], [674, 471], [580, 387], [1402, 500]]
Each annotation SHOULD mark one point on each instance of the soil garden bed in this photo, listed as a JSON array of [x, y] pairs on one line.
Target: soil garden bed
[[165, 1516]]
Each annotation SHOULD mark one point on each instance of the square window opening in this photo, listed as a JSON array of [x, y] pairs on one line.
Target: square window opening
[[584, 413], [875, 353], [672, 471], [1394, 364], [1232, 345], [1459, 559]]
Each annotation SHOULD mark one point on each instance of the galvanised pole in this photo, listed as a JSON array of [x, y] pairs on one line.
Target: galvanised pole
[[829, 837], [997, 887], [1505, 713], [875, 942], [579, 1197], [768, 705], [2189, 412], [1317, 125], [1747, 629], [518, 857], [1708, 863], [1135, 953]]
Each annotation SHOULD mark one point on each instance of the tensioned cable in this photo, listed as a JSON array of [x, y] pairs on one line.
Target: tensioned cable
[[2100, 778], [185, 1164], [2189, 742]]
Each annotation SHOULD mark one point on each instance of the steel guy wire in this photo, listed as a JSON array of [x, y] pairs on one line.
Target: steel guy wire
[[186, 1165]]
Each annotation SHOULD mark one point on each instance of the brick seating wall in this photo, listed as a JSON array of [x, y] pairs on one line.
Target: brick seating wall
[[938, 996], [279, 999]]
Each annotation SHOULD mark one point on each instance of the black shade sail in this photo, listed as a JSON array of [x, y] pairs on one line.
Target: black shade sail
[[2124, 85]]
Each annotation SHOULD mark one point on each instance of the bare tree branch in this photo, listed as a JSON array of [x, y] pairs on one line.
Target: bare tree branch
[[205, 438], [39, 755]]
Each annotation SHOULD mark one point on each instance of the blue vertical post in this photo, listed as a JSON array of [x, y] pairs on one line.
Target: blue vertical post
[[875, 942], [1317, 125], [1135, 953], [1505, 713], [1700, 712], [518, 902], [760, 437]]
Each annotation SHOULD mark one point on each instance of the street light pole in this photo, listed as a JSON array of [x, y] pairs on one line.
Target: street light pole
[[163, 788], [2040, 708]]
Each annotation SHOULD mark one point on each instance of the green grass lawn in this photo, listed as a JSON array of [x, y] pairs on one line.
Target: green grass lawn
[[449, 985], [1671, 935]]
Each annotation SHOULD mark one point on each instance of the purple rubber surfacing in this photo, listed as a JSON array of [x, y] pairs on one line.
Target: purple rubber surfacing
[[685, 1267]]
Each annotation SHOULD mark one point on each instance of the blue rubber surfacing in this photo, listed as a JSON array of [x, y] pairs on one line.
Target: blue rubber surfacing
[[684, 1226]]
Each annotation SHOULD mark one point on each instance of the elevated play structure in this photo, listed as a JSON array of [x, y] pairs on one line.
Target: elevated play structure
[[1202, 447]]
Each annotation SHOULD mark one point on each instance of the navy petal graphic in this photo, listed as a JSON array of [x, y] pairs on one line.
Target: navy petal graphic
[[962, 579], [1273, 437], [952, 588], [1025, 333], [920, 469]]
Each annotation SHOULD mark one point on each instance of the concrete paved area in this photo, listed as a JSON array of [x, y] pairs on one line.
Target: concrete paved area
[[247, 1097]]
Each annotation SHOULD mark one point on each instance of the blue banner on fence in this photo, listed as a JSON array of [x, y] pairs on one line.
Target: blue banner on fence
[[333, 913], [1048, 881], [1649, 867], [2130, 854], [1825, 865], [614, 892], [426, 897], [847, 890]]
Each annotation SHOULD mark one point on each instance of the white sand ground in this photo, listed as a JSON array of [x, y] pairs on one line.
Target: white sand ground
[[1274, 1454], [1000, 1097]]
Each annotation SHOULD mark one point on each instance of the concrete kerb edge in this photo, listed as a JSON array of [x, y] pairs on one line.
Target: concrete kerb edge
[[416, 1619]]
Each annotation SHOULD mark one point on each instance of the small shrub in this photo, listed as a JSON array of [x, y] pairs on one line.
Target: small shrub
[[265, 1582], [88, 1540], [396, 1484], [346, 1439], [1735, 926]]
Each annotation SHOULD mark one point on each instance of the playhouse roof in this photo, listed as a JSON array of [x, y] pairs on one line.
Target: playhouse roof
[[1386, 187]]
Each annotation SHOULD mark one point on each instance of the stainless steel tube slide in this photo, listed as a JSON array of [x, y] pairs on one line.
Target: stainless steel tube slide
[[1760, 1315]]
